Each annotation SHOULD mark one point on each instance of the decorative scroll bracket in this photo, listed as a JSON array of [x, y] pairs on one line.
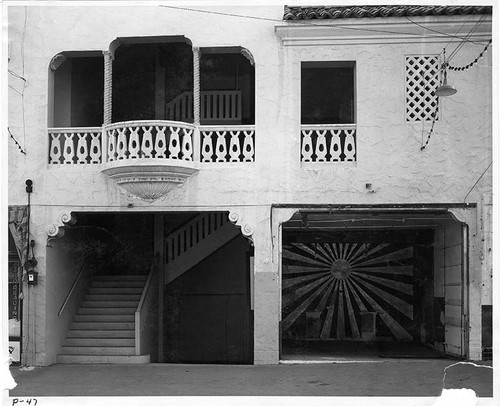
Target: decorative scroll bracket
[[246, 229], [56, 230]]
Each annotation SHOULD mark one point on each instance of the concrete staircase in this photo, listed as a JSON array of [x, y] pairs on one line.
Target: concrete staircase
[[103, 330]]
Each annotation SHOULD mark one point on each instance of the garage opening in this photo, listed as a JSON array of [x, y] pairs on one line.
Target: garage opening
[[373, 284]]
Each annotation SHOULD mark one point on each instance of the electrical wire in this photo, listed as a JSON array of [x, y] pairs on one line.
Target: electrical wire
[[442, 33], [16, 75], [17, 143], [308, 23], [15, 90], [472, 30], [473, 186]]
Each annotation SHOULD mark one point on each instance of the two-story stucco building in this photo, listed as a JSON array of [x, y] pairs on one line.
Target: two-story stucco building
[[249, 184]]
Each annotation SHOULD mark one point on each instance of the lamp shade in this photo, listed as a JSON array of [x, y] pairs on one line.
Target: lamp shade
[[445, 89]]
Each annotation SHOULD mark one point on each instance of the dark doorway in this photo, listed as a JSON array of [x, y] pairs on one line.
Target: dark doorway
[[208, 318]]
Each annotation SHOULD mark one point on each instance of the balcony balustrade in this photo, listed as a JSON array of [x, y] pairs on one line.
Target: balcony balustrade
[[328, 143], [147, 140]]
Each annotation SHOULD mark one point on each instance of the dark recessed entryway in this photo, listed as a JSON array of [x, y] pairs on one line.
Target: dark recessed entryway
[[366, 286]]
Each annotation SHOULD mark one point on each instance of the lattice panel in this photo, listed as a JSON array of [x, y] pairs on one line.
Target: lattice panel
[[422, 79]]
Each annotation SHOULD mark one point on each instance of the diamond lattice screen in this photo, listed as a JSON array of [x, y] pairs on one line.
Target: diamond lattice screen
[[422, 79]]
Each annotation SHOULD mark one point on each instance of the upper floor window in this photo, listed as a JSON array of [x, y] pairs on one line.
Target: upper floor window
[[328, 93], [328, 112]]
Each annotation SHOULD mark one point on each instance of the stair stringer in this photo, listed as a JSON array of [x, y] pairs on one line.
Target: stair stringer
[[199, 251]]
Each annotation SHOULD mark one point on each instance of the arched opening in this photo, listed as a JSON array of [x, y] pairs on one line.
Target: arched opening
[[148, 73], [77, 88]]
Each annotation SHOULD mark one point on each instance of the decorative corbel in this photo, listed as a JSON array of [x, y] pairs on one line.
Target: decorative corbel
[[56, 61], [246, 229], [247, 54], [56, 230]]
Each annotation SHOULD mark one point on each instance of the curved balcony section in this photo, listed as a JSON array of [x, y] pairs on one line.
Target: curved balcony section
[[149, 158], [149, 139]]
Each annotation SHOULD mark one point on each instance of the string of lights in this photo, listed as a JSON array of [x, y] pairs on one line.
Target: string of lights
[[434, 118], [17, 143], [474, 62]]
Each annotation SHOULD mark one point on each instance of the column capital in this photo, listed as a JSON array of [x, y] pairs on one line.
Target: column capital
[[108, 54]]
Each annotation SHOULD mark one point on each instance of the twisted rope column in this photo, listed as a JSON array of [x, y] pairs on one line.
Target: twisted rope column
[[196, 85], [196, 104], [108, 85]]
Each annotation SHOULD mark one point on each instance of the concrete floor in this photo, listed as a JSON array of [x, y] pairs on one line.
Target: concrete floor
[[374, 378]]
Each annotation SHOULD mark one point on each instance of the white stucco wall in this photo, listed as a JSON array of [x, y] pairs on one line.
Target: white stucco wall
[[388, 148]]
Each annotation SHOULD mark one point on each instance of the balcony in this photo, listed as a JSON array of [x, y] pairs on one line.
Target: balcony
[[169, 110], [147, 153]]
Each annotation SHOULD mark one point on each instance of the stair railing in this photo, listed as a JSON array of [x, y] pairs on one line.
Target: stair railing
[[73, 287], [145, 316], [192, 233]]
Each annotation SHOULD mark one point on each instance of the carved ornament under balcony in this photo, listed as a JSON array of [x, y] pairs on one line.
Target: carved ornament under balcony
[[149, 182]]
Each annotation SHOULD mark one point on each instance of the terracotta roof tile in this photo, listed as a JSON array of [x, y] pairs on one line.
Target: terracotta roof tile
[[332, 12]]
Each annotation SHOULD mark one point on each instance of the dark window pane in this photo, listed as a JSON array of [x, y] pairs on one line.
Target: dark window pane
[[327, 93]]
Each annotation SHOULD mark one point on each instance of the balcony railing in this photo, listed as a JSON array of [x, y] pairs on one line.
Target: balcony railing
[[155, 139], [328, 143], [215, 106], [227, 144]]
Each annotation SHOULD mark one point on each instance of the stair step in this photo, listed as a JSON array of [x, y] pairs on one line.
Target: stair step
[[120, 277], [110, 303], [103, 317], [107, 310], [99, 342], [112, 297], [102, 333], [117, 284], [73, 350], [115, 291], [103, 359], [102, 326]]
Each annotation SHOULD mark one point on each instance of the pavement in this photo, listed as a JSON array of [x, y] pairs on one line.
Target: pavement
[[395, 377]]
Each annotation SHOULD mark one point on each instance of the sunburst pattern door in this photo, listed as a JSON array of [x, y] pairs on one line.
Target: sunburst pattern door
[[336, 284]]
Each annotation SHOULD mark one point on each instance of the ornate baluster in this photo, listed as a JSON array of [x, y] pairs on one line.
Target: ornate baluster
[[121, 144], [112, 145], [321, 147], [248, 150], [207, 149], [82, 148], [220, 147], [95, 148], [147, 143], [69, 149], [187, 145], [174, 147], [55, 148], [134, 144], [161, 142], [234, 146], [335, 147], [349, 145], [307, 146]]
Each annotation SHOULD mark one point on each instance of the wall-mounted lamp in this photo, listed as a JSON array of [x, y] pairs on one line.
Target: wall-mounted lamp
[[445, 89]]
